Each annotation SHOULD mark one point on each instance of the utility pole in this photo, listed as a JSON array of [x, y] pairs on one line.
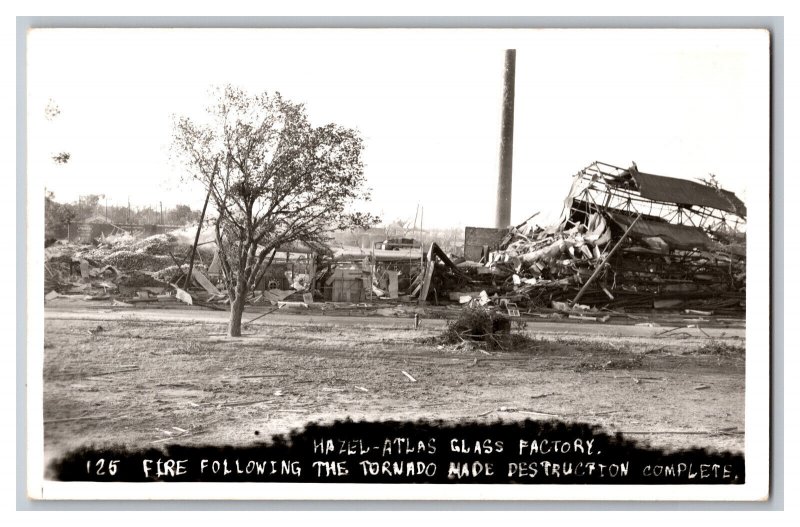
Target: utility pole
[[421, 215], [187, 282], [161, 208], [503, 212]]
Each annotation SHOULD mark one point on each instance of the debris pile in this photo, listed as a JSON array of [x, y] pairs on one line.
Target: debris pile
[[127, 269], [121, 266], [543, 265], [174, 273], [482, 327], [626, 241]]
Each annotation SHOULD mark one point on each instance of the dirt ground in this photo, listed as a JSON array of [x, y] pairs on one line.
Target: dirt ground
[[145, 380]]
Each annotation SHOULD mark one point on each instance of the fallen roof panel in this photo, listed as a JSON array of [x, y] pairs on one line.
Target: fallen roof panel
[[685, 192], [677, 236]]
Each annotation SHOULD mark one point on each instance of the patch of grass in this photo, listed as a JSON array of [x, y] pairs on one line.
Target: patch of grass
[[192, 347], [317, 329], [632, 363], [604, 348], [720, 349]]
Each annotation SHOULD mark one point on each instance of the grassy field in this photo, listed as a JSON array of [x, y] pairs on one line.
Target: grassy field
[[141, 383]]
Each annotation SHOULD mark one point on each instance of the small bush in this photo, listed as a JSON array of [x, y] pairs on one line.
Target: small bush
[[487, 327], [719, 348]]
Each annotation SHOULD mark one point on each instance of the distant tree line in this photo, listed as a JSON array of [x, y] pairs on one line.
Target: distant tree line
[[92, 205]]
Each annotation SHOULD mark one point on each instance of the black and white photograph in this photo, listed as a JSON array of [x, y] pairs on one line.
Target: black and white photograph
[[526, 264]]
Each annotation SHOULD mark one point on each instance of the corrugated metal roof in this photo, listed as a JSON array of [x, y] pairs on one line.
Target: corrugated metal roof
[[677, 236], [685, 192]]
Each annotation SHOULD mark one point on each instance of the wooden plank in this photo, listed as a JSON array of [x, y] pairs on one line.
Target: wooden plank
[[204, 282], [393, 293], [426, 282]]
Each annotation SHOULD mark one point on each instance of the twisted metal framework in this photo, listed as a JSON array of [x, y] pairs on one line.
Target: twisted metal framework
[[601, 187]]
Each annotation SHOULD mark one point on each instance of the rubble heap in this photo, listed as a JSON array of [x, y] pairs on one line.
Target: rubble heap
[[626, 240], [122, 266]]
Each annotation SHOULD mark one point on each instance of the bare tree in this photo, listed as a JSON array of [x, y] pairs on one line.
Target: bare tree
[[62, 158], [710, 181], [399, 227], [51, 112], [273, 178]]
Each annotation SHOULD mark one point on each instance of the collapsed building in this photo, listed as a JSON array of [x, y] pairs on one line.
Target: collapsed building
[[127, 268], [626, 240]]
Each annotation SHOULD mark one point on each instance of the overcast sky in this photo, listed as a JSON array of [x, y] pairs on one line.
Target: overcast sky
[[678, 103]]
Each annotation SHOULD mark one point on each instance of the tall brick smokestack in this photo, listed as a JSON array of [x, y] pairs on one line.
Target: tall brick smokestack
[[503, 215]]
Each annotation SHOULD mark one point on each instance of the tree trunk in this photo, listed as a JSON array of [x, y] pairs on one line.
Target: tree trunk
[[235, 322], [237, 310]]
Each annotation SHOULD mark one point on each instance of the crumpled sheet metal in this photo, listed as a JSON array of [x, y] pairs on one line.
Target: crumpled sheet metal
[[676, 236]]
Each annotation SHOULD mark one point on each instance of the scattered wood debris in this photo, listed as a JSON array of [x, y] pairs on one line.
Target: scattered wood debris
[[410, 378]]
